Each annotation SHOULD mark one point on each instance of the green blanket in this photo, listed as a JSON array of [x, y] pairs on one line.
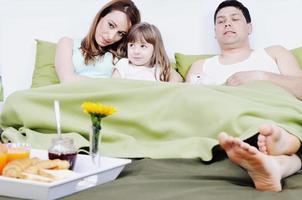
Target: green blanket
[[156, 120], [186, 179]]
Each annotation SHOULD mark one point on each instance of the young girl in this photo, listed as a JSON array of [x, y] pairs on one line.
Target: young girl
[[147, 58], [93, 56]]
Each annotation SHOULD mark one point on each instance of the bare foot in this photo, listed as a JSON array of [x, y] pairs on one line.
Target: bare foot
[[264, 170], [274, 140]]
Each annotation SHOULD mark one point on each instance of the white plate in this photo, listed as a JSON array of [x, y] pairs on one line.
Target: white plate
[[88, 176]]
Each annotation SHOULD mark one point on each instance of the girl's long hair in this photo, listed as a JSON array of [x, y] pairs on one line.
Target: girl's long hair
[[90, 48], [145, 32]]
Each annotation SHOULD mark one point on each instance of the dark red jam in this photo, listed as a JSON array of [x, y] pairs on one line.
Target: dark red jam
[[70, 157]]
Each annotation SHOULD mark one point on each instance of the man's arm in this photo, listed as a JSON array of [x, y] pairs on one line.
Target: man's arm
[[194, 71], [291, 83], [285, 60], [290, 76]]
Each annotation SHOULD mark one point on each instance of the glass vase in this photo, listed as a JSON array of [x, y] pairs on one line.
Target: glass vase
[[94, 145]]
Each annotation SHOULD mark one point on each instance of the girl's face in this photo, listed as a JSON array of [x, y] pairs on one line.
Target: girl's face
[[111, 28], [140, 53]]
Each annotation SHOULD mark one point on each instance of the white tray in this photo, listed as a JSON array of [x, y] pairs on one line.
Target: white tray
[[88, 176]]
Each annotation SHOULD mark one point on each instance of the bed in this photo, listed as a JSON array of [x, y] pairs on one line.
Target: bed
[[167, 129]]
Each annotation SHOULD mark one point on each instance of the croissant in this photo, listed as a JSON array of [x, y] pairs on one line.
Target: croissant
[[39, 167], [22, 167], [16, 167]]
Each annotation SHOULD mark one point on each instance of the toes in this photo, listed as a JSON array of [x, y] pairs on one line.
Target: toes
[[252, 149], [248, 148], [237, 141], [224, 140], [276, 130], [265, 129], [263, 150], [261, 138], [245, 146], [222, 136]]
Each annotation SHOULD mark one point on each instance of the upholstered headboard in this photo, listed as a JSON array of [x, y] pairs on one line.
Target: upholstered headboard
[[186, 27]]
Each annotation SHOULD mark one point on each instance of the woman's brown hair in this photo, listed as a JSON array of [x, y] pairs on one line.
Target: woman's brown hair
[[90, 48], [145, 32]]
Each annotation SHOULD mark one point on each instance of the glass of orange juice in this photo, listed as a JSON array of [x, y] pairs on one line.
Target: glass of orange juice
[[3, 156], [17, 151]]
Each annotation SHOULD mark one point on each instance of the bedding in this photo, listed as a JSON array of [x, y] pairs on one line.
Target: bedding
[[186, 179], [154, 120], [44, 72]]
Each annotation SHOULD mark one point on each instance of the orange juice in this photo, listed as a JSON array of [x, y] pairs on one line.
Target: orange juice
[[17, 151], [3, 160], [3, 157], [17, 155]]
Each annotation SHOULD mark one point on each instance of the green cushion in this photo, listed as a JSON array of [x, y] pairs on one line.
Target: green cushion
[[44, 72], [184, 62], [173, 65], [298, 55]]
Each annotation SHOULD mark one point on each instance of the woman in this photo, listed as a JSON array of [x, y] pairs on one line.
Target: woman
[[94, 56]]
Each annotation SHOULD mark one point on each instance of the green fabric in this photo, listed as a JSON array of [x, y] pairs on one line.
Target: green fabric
[[298, 55], [186, 179], [44, 72], [154, 119], [184, 62], [173, 65]]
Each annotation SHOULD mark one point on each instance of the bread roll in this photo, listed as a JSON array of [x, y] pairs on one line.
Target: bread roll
[[23, 168]]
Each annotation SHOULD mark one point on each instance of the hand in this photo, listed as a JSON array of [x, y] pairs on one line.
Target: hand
[[241, 78]]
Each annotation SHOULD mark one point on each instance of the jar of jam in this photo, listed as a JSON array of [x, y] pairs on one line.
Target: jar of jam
[[63, 149]]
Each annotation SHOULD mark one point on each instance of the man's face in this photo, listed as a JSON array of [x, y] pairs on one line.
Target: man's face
[[231, 27]]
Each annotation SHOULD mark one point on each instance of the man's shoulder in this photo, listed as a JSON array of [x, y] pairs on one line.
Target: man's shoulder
[[275, 48], [198, 62]]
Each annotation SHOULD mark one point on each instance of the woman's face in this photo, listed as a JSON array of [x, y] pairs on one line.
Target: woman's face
[[111, 28]]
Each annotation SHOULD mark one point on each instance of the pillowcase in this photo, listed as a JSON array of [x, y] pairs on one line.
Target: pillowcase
[[44, 72], [184, 62]]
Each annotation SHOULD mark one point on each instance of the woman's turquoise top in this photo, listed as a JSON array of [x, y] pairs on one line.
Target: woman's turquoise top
[[103, 66]]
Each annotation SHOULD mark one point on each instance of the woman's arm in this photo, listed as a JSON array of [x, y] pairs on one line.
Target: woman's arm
[[63, 61]]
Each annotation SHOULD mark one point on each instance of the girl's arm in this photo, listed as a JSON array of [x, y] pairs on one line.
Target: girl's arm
[[175, 76], [116, 73], [63, 61]]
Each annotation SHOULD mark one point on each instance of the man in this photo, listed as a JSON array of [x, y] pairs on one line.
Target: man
[[238, 64], [232, 29]]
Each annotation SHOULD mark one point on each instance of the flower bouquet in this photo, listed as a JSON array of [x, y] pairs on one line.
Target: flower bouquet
[[97, 111]]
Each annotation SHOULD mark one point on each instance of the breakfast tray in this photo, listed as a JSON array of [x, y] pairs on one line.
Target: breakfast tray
[[88, 175]]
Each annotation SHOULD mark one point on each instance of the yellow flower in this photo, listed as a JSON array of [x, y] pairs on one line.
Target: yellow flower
[[98, 109]]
